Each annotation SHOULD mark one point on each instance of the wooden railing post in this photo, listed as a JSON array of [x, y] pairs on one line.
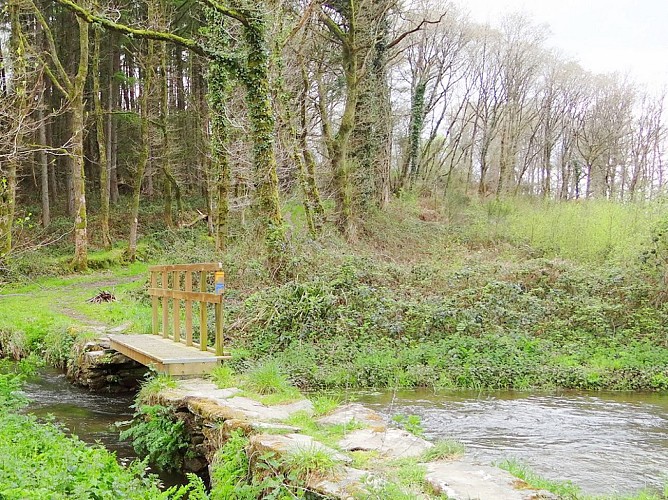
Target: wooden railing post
[[189, 309], [202, 313], [219, 289], [165, 306], [176, 306], [154, 303]]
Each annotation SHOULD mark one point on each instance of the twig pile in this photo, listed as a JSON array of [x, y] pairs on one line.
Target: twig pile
[[103, 296]]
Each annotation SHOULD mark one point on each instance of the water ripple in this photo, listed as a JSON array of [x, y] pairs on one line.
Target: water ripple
[[605, 442]]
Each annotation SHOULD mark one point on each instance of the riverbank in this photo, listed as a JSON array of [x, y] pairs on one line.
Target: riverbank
[[484, 297], [366, 454], [465, 300], [40, 461], [268, 440], [224, 414]]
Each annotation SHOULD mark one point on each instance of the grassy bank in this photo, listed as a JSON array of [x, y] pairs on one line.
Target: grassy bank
[[480, 299], [507, 294], [39, 461]]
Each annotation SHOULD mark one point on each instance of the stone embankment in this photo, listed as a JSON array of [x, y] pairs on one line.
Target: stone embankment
[[211, 414], [99, 368]]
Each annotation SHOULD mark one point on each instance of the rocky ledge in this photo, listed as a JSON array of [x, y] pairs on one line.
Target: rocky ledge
[[212, 414]]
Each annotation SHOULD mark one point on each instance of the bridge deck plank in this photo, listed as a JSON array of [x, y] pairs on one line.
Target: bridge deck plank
[[165, 355]]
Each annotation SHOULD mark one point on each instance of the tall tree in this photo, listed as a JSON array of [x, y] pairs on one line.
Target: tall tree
[[73, 88]]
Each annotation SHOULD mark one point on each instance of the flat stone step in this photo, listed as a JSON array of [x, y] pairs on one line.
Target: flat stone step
[[165, 355], [461, 480], [391, 443]]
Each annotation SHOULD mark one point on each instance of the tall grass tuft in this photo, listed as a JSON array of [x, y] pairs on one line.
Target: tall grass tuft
[[223, 376], [308, 462], [443, 450], [267, 378], [563, 489]]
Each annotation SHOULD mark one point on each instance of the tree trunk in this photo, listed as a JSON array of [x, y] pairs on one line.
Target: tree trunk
[[410, 167], [80, 259], [101, 143], [262, 122], [340, 144], [309, 160], [142, 161], [44, 168], [169, 179], [218, 97], [112, 103]]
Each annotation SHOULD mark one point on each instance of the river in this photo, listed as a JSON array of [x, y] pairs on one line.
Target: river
[[604, 442], [91, 416]]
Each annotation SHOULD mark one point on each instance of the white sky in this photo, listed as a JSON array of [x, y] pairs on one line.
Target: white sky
[[605, 36]]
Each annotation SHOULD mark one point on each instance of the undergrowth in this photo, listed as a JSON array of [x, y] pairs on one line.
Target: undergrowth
[[478, 324], [40, 461], [158, 436]]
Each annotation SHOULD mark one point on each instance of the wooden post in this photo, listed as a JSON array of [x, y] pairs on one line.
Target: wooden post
[[189, 309], [219, 289], [176, 306], [154, 303], [202, 314], [165, 307]]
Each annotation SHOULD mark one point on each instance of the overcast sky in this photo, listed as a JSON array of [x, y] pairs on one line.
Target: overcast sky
[[603, 35]]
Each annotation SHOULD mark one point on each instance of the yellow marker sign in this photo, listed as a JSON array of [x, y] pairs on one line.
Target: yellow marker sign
[[219, 280]]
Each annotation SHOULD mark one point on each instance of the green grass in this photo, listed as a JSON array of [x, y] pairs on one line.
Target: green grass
[[41, 462], [363, 459], [443, 450], [265, 383], [584, 231], [563, 489], [153, 386], [267, 378], [48, 316], [329, 434], [310, 462], [223, 376], [324, 403], [405, 478]]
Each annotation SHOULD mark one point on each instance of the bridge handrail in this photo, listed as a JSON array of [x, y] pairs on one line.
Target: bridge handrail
[[163, 292]]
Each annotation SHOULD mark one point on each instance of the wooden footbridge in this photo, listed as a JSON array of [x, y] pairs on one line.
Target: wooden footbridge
[[186, 338]]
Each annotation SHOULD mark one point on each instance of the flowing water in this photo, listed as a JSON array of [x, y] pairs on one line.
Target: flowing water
[[90, 416], [604, 442]]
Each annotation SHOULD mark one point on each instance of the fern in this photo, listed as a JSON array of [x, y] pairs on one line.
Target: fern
[[158, 436]]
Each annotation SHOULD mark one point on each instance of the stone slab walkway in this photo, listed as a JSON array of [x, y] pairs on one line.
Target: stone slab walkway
[[457, 479]]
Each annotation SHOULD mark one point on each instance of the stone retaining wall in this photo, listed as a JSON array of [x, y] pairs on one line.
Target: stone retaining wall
[[99, 368]]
